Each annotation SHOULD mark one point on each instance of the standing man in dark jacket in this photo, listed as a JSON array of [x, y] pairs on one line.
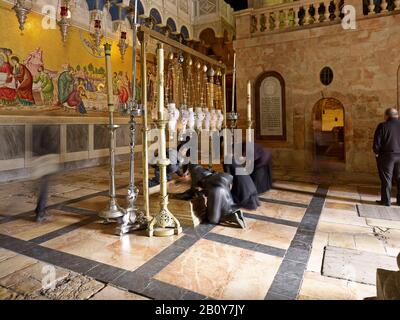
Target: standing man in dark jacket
[[387, 151]]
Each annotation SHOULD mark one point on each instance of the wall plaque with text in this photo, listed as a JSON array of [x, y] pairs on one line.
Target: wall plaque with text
[[270, 106]]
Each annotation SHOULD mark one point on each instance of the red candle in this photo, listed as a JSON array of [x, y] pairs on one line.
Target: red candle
[[64, 11]]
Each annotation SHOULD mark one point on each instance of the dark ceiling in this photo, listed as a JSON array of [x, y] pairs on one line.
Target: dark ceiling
[[237, 4]]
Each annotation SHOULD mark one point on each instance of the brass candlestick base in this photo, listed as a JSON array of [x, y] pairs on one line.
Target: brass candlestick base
[[250, 124]]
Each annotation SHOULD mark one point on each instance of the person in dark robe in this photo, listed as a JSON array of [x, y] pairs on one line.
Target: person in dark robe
[[221, 208], [386, 147], [244, 191], [246, 188], [262, 173], [24, 80]]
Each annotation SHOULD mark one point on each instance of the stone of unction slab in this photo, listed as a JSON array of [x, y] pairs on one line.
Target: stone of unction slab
[[190, 212], [355, 265]]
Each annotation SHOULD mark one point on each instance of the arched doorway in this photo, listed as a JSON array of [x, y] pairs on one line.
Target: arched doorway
[[328, 129]]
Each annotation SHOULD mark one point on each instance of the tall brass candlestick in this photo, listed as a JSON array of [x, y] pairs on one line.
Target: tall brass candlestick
[[224, 98], [211, 74], [113, 210], [164, 223], [249, 121], [198, 87], [249, 100], [233, 83]]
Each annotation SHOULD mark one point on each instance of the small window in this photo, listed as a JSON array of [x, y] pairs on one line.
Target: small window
[[326, 76]]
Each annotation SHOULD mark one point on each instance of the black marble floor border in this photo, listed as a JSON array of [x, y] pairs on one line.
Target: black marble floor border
[[133, 281], [287, 281], [244, 244], [283, 202], [141, 281], [58, 205], [271, 219], [62, 231]]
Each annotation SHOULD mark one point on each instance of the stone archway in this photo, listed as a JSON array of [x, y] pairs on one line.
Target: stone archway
[[328, 124]]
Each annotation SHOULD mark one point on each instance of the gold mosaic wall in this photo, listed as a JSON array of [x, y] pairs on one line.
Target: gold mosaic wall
[[39, 74]]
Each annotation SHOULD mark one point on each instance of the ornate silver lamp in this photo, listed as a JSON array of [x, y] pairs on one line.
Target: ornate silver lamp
[[64, 21], [133, 218], [21, 11], [113, 210]]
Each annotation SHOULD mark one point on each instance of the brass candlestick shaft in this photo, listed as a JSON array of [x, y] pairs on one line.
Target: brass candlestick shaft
[[164, 223]]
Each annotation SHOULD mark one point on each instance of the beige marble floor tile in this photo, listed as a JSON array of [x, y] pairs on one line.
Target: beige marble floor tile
[[95, 204], [384, 224], [342, 213], [342, 240], [315, 286], [76, 287], [343, 194], [17, 204], [76, 193], [391, 251], [32, 278], [222, 272], [295, 186], [98, 242], [58, 188], [332, 227], [271, 234], [369, 243], [28, 228], [113, 293], [278, 211], [391, 237], [14, 264], [5, 254], [291, 196], [317, 253]]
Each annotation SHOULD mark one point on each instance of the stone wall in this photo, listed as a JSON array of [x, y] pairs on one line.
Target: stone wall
[[77, 143], [365, 63]]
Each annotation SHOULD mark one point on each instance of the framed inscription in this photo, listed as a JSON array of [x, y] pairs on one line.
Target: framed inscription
[[270, 106]]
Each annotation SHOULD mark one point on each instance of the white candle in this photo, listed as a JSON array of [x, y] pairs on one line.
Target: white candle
[[110, 95], [160, 78], [249, 100], [233, 82]]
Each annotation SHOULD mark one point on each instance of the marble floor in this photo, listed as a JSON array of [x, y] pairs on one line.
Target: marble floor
[[280, 255]]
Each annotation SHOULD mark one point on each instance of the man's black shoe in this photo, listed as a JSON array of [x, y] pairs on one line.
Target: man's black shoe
[[382, 203]]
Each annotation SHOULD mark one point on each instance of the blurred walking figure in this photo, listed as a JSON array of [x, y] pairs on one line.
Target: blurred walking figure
[[387, 151], [45, 164]]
